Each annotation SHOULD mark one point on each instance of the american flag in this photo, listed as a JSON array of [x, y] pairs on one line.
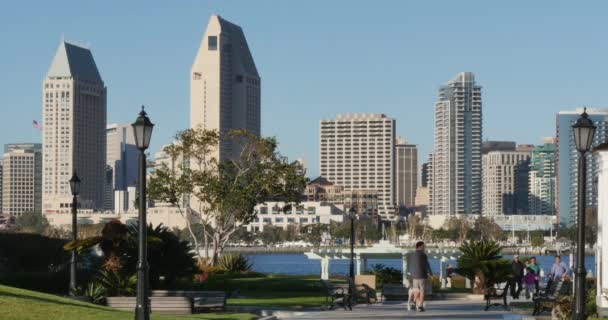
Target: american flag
[[36, 125]]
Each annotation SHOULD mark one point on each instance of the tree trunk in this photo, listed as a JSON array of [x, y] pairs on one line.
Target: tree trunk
[[479, 284]]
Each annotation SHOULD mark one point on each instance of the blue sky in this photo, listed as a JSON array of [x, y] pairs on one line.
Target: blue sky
[[318, 59]]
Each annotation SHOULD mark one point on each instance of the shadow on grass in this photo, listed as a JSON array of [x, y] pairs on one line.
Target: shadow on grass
[[53, 301]]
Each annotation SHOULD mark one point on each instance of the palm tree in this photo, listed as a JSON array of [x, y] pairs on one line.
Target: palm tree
[[482, 262]]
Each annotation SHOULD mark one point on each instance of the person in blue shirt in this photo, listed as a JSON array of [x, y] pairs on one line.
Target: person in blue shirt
[[558, 270]]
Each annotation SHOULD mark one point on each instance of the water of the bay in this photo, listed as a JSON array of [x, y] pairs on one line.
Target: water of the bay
[[299, 264]]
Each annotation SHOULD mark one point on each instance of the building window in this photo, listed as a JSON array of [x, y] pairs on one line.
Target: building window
[[212, 43]]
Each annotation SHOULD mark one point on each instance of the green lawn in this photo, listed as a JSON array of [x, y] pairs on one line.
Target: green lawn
[[271, 290], [19, 304]]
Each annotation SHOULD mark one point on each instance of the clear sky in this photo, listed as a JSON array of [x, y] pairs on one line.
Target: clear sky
[[318, 59]]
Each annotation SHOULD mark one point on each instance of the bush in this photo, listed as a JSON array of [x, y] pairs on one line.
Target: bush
[[234, 263], [385, 275], [94, 290], [116, 283], [31, 252], [482, 263]]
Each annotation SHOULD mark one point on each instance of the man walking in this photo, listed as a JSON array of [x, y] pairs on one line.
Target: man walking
[[421, 270], [518, 275]]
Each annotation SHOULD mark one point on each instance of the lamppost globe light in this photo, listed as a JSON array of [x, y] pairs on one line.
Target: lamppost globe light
[[142, 130], [583, 130], [75, 184]]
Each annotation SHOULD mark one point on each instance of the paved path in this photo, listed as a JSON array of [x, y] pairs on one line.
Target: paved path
[[446, 309]]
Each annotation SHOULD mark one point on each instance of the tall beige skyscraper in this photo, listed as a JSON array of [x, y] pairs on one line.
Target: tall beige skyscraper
[[74, 130], [406, 171], [224, 84], [121, 156], [455, 168], [357, 153], [21, 179]]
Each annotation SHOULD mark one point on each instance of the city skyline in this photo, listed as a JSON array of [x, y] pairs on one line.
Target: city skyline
[[406, 92]]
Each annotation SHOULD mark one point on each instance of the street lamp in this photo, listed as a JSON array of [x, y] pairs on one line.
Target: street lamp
[[583, 138], [75, 188], [352, 214], [142, 130]]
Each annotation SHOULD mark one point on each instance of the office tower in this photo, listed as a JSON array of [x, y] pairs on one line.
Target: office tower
[[406, 171], [121, 159], [455, 185], [505, 180], [567, 163], [21, 179], [224, 85], [1, 168], [356, 152], [74, 130], [424, 175], [542, 178]]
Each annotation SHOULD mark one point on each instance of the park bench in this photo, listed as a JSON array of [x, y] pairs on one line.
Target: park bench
[[496, 292], [201, 300], [545, 301], [394, 292], [337, 295], [167, 305]]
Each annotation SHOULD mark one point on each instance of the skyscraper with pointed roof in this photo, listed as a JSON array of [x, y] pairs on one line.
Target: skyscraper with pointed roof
[[74, 130], [224, 85]]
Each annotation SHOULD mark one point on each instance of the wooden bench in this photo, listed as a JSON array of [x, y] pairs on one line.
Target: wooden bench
[[201, 300], [496, 292], [393, 292], [337, 295], [166, 305], [545, 301]]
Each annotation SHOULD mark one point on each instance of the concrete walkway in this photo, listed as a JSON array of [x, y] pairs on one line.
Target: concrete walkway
[[444, 309]]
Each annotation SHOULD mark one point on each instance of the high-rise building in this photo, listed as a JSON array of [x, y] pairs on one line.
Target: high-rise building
[[542, 179], [1, 168], [122, 160], [224, 85], [455, 168], [406, 173], [74, 130], [567, 163], [424, 175], [488, 146], [21, 179], [505, 181], [357, 153]]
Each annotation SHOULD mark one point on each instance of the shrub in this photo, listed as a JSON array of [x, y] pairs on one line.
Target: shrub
[[31, 252], [234, 263], [93, 290], [116, 283], [386, 274]]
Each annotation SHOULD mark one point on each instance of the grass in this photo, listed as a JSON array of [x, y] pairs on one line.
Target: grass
[[20, 304], [278, 291]]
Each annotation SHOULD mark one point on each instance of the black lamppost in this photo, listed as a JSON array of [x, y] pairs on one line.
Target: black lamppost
[[352, 214], [75, 188], [583, 138], [142, 130]]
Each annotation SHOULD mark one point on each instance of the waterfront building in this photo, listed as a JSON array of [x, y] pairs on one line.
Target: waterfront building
[[505, 181], [121, 160], [74, 130], [224, 85], [406, 171], [279, 214], [21, 179], [567, 162], [1, 168], [455, 163], [357, 153], [542, 179], [322, 190]]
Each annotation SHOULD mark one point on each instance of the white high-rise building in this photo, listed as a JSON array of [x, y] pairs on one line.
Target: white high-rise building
[[505, 182], [121, 159], [406, 171], [455, 171], [224, 85], [357, 153], [21, 179], [74, 130]]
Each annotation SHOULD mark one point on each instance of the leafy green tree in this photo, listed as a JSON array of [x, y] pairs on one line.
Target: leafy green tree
[[314, 233], [223, 194], [272, 235], [32, 222], [486, 228], [460, 226], [537, 239]]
